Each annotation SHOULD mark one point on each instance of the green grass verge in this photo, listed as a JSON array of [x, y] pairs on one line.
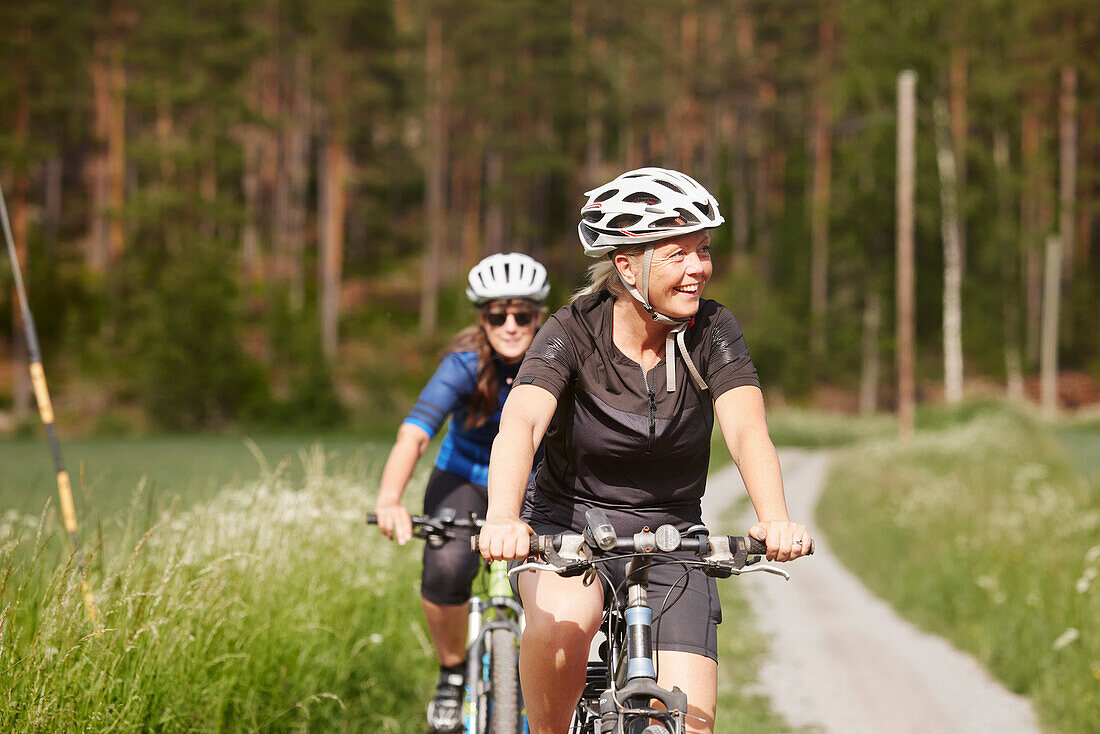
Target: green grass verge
[[170, 469], [271, 608], [989, 534]]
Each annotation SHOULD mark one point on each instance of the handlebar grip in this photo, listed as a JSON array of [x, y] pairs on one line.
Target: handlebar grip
[[759, 547], [475, 543], [372, 519]]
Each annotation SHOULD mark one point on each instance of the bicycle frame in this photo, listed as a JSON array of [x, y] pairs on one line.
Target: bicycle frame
[[625, 702], [492, 701], [497, 611]]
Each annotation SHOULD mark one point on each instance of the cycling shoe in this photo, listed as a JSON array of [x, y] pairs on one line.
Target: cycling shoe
[[445, 708]]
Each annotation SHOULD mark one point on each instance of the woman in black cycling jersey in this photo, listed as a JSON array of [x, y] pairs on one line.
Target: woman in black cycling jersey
[[471, 384], [625, 383]]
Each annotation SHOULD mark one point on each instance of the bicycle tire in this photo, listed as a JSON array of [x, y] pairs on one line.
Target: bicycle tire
[[504, 682]]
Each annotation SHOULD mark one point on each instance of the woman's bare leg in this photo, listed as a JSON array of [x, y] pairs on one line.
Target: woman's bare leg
[[562, 616], [697, 676]]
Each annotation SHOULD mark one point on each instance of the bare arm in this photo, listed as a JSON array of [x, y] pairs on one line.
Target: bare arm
[[393, 518], [523, 422], [740, 413]]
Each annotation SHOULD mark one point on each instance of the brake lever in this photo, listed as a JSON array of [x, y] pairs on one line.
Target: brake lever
[[762, 568], [531, 566]]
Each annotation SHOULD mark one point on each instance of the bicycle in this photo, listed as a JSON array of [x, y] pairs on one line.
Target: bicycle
[[493, 702], [621, 686]]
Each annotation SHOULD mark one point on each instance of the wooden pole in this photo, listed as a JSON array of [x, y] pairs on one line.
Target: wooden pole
[[1048, 353], [906, 188], [45, 411]]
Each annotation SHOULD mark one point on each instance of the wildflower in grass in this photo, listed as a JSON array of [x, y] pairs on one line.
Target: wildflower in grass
[[1092, 554], [376, 638], [1065, 639], [1086, 579]]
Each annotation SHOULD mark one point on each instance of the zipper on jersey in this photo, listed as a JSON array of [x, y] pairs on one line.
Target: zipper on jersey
[[652, 413]]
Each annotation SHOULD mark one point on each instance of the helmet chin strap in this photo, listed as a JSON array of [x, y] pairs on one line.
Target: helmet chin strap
[[676, 335]]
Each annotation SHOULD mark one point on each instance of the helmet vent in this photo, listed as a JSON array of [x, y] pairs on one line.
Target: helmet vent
[[592, 217], [688, 217], [605, 195], [642, 197], [623, 221], [705, 208], [668, 222], [670, 185]]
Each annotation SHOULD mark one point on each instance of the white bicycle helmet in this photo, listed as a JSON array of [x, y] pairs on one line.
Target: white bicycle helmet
[[507, 275], [641, 207], [644, 205]]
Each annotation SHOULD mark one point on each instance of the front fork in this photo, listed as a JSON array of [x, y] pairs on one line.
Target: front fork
[[477, 652]]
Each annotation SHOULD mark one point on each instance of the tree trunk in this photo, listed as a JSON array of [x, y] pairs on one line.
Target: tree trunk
[[683, 134], [494, 177], [1048, 361], [251, 257], [53, 171], [958, 134], [869, 374], [472, 189], [97, 253], [435, 173], [1031, 269], [116, 154], [952, 258], [1010, 284], [333, 219], [1067, 168], [291, 189], [820, 194], [906, 188]]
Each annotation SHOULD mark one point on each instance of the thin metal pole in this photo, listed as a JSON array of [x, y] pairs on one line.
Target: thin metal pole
[[45, 410]]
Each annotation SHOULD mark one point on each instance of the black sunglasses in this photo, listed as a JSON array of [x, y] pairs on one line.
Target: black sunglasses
[[497, 318]]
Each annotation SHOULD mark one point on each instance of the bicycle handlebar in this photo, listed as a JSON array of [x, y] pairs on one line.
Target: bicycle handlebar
[[570, 554], [440, 529]]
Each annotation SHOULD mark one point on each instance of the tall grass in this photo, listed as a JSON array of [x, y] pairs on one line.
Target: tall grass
[[984, 533], [270, 608]]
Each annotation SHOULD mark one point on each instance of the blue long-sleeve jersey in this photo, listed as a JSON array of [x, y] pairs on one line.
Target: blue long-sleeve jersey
[[465, 451]]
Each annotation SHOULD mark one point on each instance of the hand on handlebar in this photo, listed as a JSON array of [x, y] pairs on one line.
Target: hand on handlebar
[[394, 521], [505, 539], [786, 540]]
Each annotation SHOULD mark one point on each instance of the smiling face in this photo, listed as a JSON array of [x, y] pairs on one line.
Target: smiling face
[[681, 267], [508, 338]]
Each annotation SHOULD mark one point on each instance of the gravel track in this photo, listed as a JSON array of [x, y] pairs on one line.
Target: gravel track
[[841, 661]]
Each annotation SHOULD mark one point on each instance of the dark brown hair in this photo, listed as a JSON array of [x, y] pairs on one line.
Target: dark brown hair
[[486, 397]]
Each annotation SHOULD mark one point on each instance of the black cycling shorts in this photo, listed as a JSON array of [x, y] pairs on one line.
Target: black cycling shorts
[[449, 570], [686, 607]]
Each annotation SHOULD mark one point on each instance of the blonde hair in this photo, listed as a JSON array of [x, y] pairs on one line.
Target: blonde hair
[[602, 274]]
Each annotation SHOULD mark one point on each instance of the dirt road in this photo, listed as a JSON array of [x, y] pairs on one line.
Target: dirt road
[[841, 661]]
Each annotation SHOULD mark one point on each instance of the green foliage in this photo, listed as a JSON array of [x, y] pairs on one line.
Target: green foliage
[[185, 340], [211, 621], [230, 105], [773, 333], [982, 532]]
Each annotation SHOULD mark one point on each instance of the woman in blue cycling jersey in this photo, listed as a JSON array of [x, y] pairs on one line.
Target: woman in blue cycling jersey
[[470, 385], [624, 383]]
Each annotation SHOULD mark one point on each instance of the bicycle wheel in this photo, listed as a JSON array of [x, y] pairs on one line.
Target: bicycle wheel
[[504, 683]]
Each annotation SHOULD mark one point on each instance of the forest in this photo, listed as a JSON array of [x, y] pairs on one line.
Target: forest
[[261, 212]]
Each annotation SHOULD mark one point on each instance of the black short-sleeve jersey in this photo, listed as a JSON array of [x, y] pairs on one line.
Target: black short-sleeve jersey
[[619, 439]]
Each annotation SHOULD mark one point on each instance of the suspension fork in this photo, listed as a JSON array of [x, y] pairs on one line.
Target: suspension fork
[[639, 622]]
